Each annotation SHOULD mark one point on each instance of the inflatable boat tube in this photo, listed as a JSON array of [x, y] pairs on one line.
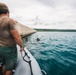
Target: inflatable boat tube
[[26, 64]]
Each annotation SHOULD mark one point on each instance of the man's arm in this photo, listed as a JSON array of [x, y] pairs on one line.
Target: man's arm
[[17, 37], [15, 34]]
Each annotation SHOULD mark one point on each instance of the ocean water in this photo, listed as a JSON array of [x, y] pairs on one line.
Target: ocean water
[[55, 51]]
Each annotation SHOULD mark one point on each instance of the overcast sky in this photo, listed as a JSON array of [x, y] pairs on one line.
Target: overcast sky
[[60, 13]]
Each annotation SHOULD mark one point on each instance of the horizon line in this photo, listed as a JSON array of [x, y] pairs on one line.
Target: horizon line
[[57, 30]]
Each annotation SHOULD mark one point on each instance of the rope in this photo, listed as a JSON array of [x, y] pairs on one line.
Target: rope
[[29, 62]]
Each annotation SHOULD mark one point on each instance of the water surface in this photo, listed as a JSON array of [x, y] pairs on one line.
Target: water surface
[[55, 52]]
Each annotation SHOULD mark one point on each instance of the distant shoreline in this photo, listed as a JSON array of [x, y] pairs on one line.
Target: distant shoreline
[[57, 30]]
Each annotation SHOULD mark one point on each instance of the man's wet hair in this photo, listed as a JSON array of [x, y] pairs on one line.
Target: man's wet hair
[[3, 8]]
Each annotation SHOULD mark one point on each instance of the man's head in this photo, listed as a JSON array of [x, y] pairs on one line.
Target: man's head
[[3, 9]]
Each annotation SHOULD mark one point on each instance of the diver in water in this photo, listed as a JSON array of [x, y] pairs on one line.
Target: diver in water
[[38, 39]]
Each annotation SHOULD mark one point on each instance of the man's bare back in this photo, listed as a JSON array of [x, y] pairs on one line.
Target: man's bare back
[[6, 38], [9, 37]]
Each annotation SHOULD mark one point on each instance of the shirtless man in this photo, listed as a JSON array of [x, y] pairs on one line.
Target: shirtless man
[[9, 37]]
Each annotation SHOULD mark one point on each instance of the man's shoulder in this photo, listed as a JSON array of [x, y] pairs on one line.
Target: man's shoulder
[[11, 21], [4, 20], [5, 17]]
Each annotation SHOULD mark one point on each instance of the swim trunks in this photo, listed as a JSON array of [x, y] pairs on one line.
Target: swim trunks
[[8, 56]]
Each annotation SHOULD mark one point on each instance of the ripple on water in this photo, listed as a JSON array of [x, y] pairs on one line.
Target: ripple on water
[[55, 52]]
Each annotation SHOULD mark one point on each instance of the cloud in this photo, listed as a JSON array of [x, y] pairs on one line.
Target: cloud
[[53, 12], [18, 3], [55, 3]]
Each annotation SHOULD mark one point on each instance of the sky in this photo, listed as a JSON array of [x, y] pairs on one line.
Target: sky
[[48, 13]]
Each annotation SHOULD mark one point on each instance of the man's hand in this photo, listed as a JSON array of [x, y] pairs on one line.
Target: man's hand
[[21, 49]]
